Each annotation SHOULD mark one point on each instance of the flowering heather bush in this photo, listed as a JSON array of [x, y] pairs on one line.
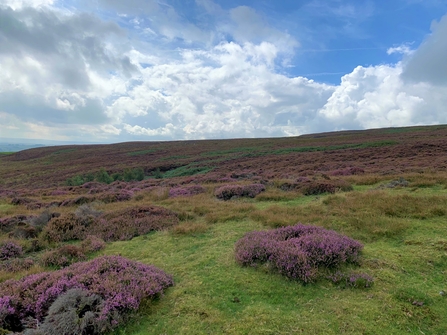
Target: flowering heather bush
[[92, 244], [10, 249], [119, 282], [16, 264], [227, 192], [130, 222], [297, 251], [186, 191], [63, 256]]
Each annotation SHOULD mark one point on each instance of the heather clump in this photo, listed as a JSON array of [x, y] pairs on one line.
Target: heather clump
[[10, 249], [112, 286], [66, 227], [109, 197], [326, 186], [16, 264], [186, 191], [298, 252], [131, 222], [63, 256], [228, 192], [92, 243]]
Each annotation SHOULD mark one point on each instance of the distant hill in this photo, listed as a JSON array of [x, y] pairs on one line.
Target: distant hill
[[19, 144], [379, 151], [10, 147]]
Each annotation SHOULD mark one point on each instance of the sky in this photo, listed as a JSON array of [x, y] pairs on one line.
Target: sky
[[108, 71]]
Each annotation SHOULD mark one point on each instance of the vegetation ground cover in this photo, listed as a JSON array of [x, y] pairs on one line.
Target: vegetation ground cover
[[393, 201]]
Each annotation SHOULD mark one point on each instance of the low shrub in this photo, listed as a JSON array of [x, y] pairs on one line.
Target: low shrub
[[109, 197], [114, 287], [72, 313], [92, 243], [228, 192], [87, 212], [24, 231], [131, 222], [327, 186], [299, 251], [118, 225], [186, 191], [9, 223], [10, 249], [63, 256], [16, 264], [66, 227], [38, 222], [103, 177]]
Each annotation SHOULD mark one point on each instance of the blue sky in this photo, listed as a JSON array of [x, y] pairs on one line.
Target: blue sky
[[111, 70]]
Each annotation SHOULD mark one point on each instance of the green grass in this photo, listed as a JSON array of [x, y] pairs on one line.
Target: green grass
[[233, 151], [335, 147], [4, 208], [174, 158], [213, 295], [188, 170], [4, 153]]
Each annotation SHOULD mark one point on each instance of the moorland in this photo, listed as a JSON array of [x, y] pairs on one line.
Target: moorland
[[331, 233]]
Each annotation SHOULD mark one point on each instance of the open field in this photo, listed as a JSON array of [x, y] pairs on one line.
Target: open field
[[386, 188]]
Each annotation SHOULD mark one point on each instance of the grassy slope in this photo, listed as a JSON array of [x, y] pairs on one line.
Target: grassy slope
[[213, 295], [380, 151], [404, 231]]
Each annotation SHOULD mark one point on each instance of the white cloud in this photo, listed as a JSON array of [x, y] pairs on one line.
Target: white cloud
[[71, 75], [403, 49], [19, 4], [376, 97], [428, 63]]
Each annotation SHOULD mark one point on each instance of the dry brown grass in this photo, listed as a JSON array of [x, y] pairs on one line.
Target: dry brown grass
[[190, 228], [368, 215]]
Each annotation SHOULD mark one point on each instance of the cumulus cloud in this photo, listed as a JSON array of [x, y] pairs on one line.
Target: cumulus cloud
[[72, 75], [57, 67], [376, 96], [428, 63]]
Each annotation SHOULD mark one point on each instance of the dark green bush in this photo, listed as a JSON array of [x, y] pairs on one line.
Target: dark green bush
[[103, 177]]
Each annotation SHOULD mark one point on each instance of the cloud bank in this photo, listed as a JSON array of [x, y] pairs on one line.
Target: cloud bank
[[77, 75]]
